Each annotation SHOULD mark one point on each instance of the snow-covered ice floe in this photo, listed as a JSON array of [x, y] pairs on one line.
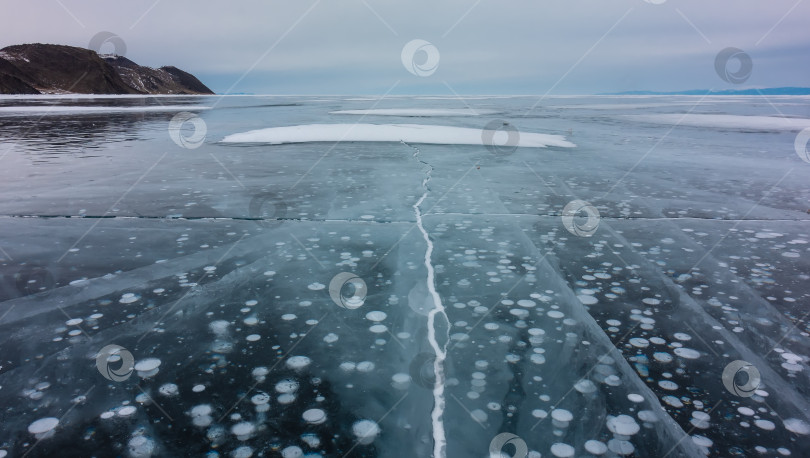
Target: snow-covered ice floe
[[418, 112], [80, 110], [409, 133], [759, 123]]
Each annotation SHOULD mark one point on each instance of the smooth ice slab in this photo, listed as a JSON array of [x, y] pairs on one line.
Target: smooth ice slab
[[418, 112], [766, 123], [409, 133]]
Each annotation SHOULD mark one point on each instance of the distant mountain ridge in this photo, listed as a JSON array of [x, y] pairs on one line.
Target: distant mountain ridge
[[57, 69], [763, 91]]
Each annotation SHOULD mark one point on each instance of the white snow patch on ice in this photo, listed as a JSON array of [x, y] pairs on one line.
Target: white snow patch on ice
[[408, 133], [418, 112], [759, 123]]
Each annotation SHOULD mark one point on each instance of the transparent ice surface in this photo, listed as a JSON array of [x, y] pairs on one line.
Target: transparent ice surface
[[217, 261]]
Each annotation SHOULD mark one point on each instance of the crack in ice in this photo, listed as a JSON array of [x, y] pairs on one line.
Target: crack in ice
[[437, 414]]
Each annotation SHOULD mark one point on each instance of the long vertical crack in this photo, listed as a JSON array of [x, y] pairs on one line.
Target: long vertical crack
[[440, 350]]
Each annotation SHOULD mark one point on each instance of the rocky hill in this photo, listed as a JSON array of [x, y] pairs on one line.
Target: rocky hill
[[55, 69]]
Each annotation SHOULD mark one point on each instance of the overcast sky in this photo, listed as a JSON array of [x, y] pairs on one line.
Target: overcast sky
[[484, 47]]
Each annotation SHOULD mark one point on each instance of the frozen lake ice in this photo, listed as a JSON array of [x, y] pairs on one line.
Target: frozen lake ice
[[642, 293]]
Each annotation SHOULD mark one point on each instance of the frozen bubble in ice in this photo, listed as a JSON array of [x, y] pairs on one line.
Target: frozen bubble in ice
[[260, 373], [331, 338], [585, 386], [378, 328], [702, 441], [555, 314], [243, 430], [562, 415], [746, 411], [219, 327], [202, 410], [126, 411], [639, 342], [400, 380], [260, 399], [74, 322], [365, 431], [672, 401], [668, 385], [662, 357], [43, 426], [288, 316], [633, 397], [129, 298], [253, 337], [107, 415], [623, 425], [682, 336], [168, 389], [687, 353], [298, 363], [286, 398], [767, 425], [657, 340], [314, 416], [797, 426], [292, 451], [612, 380], [316, 286], [348, 366], [621, 447], [587, 299], [562, 450], [526, 303], [479, 415], [251, 321], [141, 446], [376, 316], [365, 366], [287, 386], [251, 302], [595, 447], [539, 413], [147, 367], [242, 452], [651, 301]]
